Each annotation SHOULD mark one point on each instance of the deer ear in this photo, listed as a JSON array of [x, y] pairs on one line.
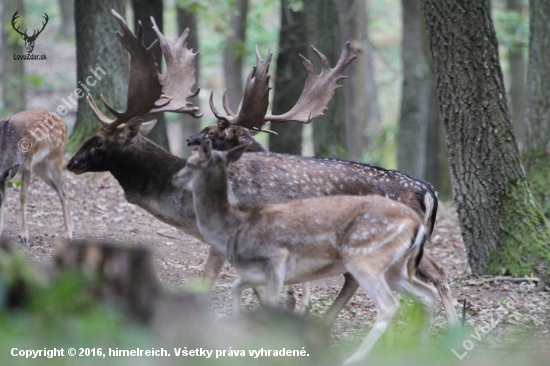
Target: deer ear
[[129, 130], [146, 127], [10, 173], [205, 152], [235, 153]]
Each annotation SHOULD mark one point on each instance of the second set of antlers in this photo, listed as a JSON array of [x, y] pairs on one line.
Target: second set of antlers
[[150, 92]]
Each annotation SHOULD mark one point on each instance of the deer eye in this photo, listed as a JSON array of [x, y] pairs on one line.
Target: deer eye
[[98, 143]]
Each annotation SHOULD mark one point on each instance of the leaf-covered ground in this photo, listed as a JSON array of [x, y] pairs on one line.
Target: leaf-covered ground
[[504, 308]]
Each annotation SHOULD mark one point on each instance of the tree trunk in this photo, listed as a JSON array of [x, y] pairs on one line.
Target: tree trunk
[[233, 54], [359, 97], [536, 154], [503, 229], [189, 124], [67, 18], [517, 81], [437, 167], [143, 11], [13, 71], [330, 130], [289, 80], [102, 59], [416, 96]]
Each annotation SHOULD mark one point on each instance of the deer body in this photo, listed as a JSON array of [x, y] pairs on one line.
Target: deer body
[[33, 140], [377, 240]]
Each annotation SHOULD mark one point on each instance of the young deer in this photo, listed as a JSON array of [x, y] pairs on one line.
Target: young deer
[[238, 129], [144, 170], [376, 240], [33, 140]]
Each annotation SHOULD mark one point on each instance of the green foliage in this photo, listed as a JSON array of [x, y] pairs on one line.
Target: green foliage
[[512, 28]]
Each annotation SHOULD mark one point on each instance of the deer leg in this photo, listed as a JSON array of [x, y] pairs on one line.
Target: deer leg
[[236, 292], [53, 178], [345, 294], [376, 286], [213, 267], [275, 280], [25, 181], [430, 270], [306, 298], [424, 293]]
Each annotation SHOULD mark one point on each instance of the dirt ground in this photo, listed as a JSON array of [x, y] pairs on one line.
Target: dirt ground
[[100, 210]]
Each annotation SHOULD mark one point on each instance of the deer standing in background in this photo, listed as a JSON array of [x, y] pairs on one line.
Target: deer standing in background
[[376, 240], [145, 171], [237, 129], [33, 140]]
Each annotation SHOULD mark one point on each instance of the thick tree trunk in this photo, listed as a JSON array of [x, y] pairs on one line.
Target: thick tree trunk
[[517, 81], [233, 54], [143, 11], [502, 228], [13, 71], [359, 102], [330, 130], [415, 100], [536, 154], [67, 18], [189, 124], [100, 58], [289, 80]]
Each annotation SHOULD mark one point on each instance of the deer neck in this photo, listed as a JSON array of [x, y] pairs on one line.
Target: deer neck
[[144, 171], [216, 220]]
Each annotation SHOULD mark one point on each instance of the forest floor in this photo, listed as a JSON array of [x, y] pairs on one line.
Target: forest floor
[[100, 211]]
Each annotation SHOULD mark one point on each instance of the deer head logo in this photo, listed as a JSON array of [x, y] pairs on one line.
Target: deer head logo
[[29, 40]]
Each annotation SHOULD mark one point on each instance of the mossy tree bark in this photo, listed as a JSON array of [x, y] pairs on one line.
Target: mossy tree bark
[[502, 227], [289, 80], [330, 130], [536, 154], [101, 59]]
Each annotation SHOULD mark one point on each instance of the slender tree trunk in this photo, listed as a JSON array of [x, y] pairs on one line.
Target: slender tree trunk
[[518, 72], [289, 81], [536, 154], [416, 93], [143, 11], [13, 71], [503, 229], [354, 28], [190, 125], [102, 59], [67, 18], [233, 54], [330, 130]]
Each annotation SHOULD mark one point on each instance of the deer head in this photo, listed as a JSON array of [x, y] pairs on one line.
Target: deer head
[[148, 93], [29, 40], [236, 128]]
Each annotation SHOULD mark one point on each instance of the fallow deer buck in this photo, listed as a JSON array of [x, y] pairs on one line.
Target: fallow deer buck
[[144, 170], [377, 240], [33, 140], [238, 129]]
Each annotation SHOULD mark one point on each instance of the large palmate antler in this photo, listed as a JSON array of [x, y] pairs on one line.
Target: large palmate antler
[[179, 77], [149, 92], [318, 91]]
